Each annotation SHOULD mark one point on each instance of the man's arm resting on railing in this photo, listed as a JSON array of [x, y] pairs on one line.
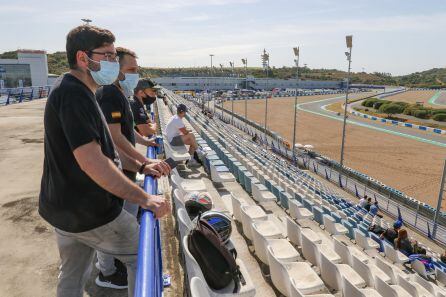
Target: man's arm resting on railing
[[105, 173], [143, 141]]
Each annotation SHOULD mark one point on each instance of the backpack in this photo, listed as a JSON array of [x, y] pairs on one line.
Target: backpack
[[215, 260]]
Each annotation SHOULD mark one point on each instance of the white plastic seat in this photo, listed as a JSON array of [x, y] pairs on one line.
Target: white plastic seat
[[414, 289], [177, 153], [199, 288], [297, 293], [431, 287], [305, 279], [350, 290], [236, 205], [368, 272], [184, 222], [332, 274], [390, 270], [365, 243], [332, 227], [387, 290], [394, 255], [298, 212], [194, 270], [188, 185], [440, 276], [249, 213], [178, 199], [346, 252], [294, 232], [419, 268], [261, 194], [266, 235], [219, 176]]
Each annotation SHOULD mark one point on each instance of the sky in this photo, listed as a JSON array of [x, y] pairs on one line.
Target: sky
[[392, 36]]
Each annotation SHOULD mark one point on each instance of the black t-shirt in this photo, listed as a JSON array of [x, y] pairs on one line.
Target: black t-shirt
[[69, 199], [390, 234], [140, 114], [116, 110]]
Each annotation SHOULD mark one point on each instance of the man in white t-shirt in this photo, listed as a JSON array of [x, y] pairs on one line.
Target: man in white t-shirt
[[178, 135]]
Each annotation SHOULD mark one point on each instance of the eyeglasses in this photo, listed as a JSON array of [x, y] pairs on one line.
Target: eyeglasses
[[109, 56]]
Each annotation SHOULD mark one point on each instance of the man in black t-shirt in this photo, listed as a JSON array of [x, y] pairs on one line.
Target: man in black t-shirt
[[144, 95], [116, 109], [83, 187]]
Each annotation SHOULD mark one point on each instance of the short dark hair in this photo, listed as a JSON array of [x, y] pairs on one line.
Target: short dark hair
[[86, 38], [121, 52]]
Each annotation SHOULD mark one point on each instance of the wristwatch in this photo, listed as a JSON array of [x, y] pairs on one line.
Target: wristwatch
[[143, 166]]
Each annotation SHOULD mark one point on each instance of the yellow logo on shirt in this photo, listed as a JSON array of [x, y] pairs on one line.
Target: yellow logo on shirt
[[116, 115]]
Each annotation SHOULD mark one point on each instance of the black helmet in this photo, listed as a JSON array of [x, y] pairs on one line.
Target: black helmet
[[196, 202], [220, 222]]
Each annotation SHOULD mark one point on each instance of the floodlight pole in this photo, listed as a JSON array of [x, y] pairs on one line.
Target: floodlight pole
[[440, 200], [349, 58], [265, 60], [232, 97], [296, 54], [245, 63], [209, 82]]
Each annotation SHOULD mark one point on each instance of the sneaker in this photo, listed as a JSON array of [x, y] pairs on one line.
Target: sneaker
[[117, 280], [193, 163], [119, 267]]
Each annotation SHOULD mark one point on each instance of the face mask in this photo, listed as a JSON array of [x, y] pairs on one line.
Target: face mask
[[148, 100], [107, 74], [129, 83]]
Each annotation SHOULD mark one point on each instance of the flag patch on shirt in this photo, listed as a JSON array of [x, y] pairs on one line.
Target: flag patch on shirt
[[116, 115]]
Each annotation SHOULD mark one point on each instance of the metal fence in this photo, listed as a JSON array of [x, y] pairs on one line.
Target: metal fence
[[19, 95]]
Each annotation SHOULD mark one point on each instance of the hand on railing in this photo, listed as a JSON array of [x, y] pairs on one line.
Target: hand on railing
[[158, 205]]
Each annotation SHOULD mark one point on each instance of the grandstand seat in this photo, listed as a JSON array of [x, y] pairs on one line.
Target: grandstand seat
[[394, 255], [387, 290], [220, 174], [194, 270], [261, 194], [178, 199], [378, 240], [413, 288], [297, 293], [390, 270], [199, 288], [184, 222], [305, 279], [284, 199], [188, 185], [368, 271], [236, 205], [332, 227], [350, 290], [249, 213], [318, 215], [298, 212], [350, 229], [364, 242], [293, 232], [177, 153], [332, 274], [265, 234], [429, 286], [440, 276], [346, 252]]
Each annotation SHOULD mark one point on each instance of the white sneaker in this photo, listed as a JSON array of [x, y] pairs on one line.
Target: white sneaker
[[193, 163]]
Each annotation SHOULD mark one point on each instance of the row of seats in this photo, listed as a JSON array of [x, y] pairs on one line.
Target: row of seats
[[310, 207]]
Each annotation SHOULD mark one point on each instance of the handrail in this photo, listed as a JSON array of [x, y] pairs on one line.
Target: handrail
[[149, 272]]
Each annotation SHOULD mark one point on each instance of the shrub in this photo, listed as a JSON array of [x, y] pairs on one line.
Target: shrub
[[436, 111], [378, 104], [369, 102], [391, 108], [441, 117], [420, 113]]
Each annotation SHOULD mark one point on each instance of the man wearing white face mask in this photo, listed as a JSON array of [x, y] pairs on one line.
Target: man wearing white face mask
[[116, 109], [83, 187]]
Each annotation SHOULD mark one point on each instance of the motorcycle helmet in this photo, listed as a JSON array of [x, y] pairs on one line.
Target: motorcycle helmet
[[196, 203], [220, 222]]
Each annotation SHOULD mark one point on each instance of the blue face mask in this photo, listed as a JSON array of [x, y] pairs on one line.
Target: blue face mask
[[129, 83], [107, 74]]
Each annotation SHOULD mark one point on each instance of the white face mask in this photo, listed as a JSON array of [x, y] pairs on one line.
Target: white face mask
[[129, 83], [107, 74]]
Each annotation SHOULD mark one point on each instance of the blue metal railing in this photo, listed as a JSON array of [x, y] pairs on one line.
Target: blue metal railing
[[18, 95], [149, 275]]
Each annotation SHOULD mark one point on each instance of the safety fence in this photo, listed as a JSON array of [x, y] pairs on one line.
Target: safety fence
[[19, 95], [149, 276]]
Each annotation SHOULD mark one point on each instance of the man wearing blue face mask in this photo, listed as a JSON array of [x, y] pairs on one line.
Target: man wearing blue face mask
[[116, 109], [83, 187]]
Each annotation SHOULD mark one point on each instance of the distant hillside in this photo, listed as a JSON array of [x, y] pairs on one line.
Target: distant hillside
[[57, 64]]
